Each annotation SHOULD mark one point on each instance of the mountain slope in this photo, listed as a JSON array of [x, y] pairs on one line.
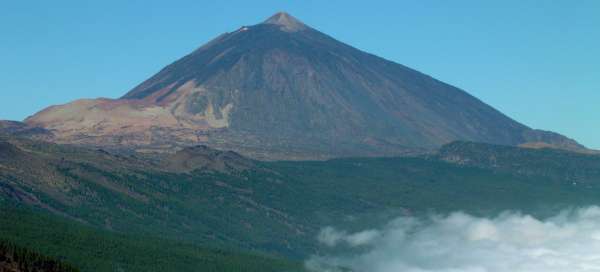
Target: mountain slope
[[18, 259], [95, 250], [220, 199], [213, 199], [281, 89]]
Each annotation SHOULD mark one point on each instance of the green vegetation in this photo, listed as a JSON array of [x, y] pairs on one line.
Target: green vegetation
[[23, 259], [420, 186], [122, 203], [91, 249]]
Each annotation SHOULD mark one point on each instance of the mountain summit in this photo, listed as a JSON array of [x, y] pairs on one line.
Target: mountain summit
[[280, 89], [286, 21]]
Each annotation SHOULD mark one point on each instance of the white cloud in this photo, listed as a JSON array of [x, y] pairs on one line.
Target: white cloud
[[332, 237], [511, 242]]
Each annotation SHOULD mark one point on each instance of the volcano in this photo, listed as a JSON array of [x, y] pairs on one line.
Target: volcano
[[283, 90]]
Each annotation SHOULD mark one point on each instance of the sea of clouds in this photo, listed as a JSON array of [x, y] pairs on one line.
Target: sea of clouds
[[510, 242]]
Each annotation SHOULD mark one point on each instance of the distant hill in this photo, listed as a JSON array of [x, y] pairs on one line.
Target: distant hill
[[553, 164], [205, 158], [283, 90], [20, 129]]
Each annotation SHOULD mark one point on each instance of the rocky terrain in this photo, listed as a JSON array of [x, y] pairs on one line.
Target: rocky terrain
[[283, 90]]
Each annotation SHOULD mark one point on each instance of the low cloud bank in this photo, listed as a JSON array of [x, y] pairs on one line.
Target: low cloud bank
[[510, 242]]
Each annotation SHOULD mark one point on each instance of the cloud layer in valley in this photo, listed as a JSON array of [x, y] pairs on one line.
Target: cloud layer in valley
[[569, 241]]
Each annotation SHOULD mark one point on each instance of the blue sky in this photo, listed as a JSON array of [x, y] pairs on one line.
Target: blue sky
[[536, 61]]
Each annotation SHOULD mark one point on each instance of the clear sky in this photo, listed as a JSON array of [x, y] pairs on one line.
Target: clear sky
[[537, 61]]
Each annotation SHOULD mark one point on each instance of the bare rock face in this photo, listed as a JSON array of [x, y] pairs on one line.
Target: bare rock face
[[286, 22], [128, 122], [283, 90]]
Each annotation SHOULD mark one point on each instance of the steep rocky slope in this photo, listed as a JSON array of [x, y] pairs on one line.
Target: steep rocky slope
[[281, 89]]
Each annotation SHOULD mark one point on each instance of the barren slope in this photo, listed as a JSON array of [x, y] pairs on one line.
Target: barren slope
[[281, 89]]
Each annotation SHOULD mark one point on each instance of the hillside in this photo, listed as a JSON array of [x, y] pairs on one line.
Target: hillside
[[283, 90], [220, 199], [18, 259], [95, 250], [129, 193]]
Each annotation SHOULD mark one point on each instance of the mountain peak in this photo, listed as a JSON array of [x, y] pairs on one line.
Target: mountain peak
[[282, 90], [286, 21]]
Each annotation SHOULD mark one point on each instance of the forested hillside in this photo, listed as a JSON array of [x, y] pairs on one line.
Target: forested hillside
[[14, 258], [102, 209], [94, 250]]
